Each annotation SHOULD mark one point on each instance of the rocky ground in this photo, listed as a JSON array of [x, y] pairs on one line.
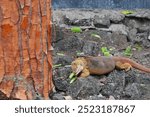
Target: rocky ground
[[116, 31]]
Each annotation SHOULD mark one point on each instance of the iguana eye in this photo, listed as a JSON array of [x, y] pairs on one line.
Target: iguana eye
[[81, 64]]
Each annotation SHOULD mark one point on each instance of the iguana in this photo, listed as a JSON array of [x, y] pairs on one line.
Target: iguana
[[86, 65]]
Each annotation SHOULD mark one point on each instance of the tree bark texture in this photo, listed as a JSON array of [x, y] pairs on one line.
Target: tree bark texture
[[25, 48]]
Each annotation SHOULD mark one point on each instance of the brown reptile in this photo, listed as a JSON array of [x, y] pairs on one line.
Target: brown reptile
[[84, 66]]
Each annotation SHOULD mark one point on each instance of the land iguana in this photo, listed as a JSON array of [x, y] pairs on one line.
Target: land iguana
[[86, 65]]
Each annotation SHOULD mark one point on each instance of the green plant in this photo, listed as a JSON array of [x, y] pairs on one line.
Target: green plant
[[128, 51], [79, 53], [138, 47], [107, 54], [95, 35], [73, 80], [72, 77], [127, 12], [76, 29], [56, 66], [105, 51], [60, 54]]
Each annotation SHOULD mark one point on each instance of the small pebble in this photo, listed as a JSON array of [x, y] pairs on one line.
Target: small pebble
[[68, 97], [149, 37], [111, 97]]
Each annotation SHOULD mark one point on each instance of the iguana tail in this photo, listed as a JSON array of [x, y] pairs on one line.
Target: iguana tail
[[132, 63]]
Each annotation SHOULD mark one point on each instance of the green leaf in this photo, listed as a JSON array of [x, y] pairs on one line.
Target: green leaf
[[56, 66], [71, 75], [95, 35], [127, 12], [80, 53], [138, 47], [104, 49], [60, 54], [128, 51], [107, 54], [112, 48], [73, 79], [76, 29]]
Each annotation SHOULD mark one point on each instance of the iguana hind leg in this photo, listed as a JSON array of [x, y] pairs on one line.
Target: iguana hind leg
[[123, 66]]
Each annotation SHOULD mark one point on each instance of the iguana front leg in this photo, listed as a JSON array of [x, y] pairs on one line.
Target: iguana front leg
[[123, 66], [84, 73]]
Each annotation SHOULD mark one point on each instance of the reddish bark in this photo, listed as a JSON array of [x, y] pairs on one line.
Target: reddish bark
[[25, 43]]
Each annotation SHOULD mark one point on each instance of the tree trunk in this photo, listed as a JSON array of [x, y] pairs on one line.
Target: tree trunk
[[25, 48]]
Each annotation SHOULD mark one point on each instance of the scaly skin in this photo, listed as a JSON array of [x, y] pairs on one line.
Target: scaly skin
[[84, 66]]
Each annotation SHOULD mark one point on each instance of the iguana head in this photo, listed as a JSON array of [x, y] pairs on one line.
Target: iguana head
[[78, 65]]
